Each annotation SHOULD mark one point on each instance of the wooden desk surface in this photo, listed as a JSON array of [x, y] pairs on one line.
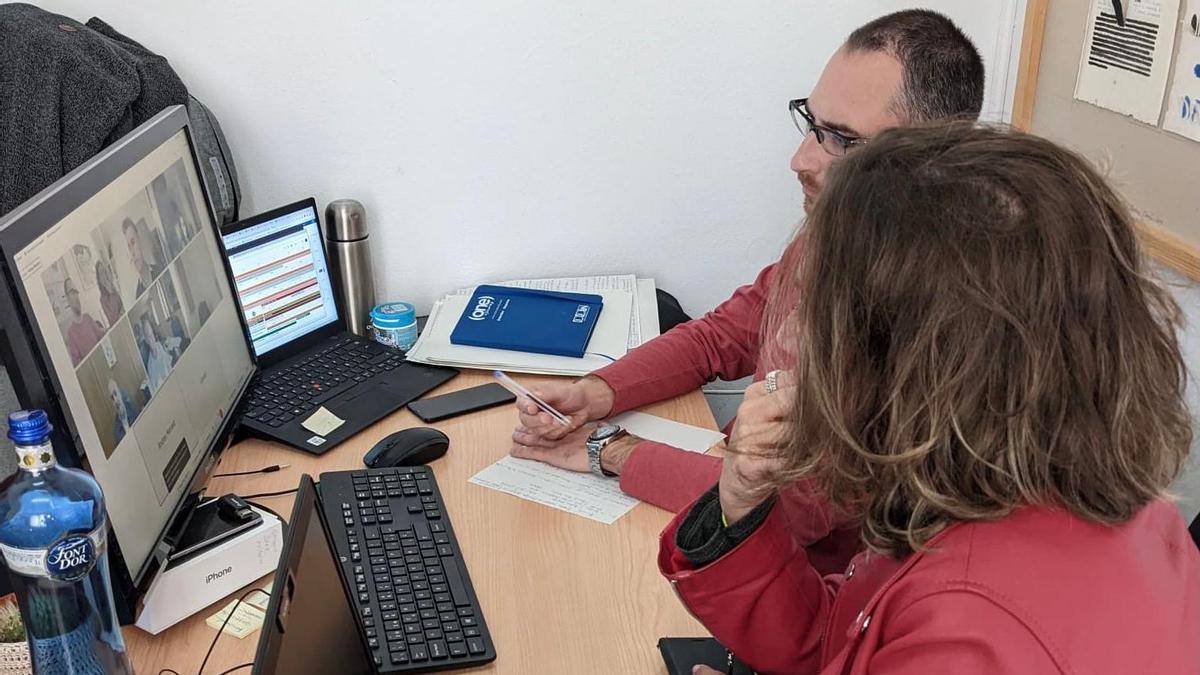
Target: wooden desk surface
[[560, 593]]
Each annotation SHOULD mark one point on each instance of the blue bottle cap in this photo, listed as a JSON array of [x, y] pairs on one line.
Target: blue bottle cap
[[27, 427], [393, 315]]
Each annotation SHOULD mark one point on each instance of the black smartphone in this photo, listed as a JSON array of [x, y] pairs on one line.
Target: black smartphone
[[461, 402], [680, 654]]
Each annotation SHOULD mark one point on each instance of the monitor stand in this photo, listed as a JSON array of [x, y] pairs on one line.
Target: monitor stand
[[195, 580]]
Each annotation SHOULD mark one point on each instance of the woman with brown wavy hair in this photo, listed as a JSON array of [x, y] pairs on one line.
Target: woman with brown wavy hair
[[989, 381]]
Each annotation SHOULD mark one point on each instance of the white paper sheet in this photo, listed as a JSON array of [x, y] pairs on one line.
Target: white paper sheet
[[647, 303], [1183, 103], [585, 494], [1124, 67]]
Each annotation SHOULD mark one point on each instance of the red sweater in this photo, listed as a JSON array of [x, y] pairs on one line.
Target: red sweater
[[1039, 591], [726, 344]]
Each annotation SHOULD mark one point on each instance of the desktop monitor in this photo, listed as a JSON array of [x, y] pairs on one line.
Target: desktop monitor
[[120, 321]]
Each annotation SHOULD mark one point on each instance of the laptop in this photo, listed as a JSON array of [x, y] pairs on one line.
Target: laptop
[[307, 359], [420, 612]]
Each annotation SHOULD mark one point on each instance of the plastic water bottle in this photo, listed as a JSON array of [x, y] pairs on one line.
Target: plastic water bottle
[[53, 534]]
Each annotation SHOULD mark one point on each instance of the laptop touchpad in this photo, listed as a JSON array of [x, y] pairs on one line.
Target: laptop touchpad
[[371, 402]]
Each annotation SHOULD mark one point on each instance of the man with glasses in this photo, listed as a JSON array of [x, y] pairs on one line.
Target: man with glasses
[[909, 67]]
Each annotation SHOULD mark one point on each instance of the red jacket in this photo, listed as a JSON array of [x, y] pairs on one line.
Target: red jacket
[[725, 344], [1040, 591]]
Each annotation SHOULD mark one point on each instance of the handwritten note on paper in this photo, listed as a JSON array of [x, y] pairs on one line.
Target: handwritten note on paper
[[247, 618], [585, 494]]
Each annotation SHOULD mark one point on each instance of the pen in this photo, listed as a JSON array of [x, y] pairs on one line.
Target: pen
[[516, 388]]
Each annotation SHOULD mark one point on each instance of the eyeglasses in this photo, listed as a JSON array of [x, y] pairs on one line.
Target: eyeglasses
[[834, 142]]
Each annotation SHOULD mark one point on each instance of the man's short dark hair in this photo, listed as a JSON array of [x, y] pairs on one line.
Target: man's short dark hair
[[943, 73]]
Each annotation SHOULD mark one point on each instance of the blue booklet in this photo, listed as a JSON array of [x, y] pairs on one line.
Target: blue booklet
[[528, 320]]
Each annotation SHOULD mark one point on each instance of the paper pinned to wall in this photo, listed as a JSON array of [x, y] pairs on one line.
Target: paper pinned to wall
[[1127, 56], [1183, 103]]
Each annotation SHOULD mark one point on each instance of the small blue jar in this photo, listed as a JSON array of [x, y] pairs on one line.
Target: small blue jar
[[394, 324]]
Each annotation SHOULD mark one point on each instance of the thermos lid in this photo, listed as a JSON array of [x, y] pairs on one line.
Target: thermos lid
[[393, 315], [345, 220], [26, 427]]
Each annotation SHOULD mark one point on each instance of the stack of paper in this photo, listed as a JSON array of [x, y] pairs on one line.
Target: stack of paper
[[629, 317]]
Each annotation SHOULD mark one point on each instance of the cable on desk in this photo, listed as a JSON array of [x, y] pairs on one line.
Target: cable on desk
[[168, 671], [220, 630], [282, 523], [236, 668], [270, 494], [266, 469]]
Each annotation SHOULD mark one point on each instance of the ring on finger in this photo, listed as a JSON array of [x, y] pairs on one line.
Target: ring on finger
[[771, 381]]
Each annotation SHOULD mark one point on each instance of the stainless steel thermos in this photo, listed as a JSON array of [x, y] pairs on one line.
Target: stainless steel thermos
[[350, 261]]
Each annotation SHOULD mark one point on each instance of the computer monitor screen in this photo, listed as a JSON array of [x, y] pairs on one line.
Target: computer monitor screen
[[129, 295], [282, 279]]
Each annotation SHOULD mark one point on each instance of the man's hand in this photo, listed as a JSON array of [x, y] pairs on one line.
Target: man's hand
[[705, 670], [758, 438], [570, 452], [585, 400]]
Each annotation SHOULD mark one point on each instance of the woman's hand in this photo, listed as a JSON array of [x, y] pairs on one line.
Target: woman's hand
[[757, 443]]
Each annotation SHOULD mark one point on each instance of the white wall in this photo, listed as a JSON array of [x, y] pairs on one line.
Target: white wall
[[494, 140]]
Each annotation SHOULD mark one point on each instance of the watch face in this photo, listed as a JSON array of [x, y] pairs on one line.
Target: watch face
[[603, 431]]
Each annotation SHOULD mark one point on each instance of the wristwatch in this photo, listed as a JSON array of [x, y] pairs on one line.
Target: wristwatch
[[600, 437]]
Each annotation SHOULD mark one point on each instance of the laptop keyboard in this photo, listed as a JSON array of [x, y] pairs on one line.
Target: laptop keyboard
[[409, 583], [283, 394]]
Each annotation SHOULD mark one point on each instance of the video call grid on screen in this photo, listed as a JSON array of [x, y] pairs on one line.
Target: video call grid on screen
[[282, 278], [132, 285]]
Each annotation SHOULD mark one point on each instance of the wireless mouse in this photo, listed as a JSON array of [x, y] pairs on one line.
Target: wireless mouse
[[408, 447]]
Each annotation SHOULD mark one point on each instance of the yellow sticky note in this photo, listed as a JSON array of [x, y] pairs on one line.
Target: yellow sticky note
[[245, 620], [262, 598], [322, 422]]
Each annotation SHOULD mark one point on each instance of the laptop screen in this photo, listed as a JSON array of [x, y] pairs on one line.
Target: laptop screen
[[282, 277], [309, 626]]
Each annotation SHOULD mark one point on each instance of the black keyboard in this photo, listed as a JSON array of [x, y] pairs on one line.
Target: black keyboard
[[408, 581], [285, 393]]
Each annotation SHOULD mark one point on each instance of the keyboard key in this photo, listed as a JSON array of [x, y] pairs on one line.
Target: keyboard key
[[437, 650], [457, 649], [475, 645], [418, 653], [457, 588]]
